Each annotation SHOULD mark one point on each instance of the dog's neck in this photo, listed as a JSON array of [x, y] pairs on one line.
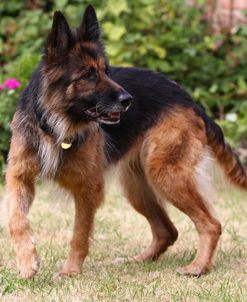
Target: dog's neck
[[67, 142]]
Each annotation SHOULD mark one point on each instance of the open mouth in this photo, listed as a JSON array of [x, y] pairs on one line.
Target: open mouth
[[103, 117]]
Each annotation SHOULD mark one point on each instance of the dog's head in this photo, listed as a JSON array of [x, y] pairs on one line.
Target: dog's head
[[76, 73]]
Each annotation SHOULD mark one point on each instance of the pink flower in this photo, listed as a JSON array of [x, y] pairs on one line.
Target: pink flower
[[1, 87], [11, 84]]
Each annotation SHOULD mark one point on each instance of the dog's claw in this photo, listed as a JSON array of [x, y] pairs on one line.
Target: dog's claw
[[64, 274], [28, 267], [190, 271]]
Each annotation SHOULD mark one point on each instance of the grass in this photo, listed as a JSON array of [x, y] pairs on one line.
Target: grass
[[120, 231]]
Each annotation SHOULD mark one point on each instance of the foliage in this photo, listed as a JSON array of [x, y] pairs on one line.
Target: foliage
[[163, 35]]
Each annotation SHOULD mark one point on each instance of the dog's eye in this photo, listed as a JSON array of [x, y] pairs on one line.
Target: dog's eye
[[90, 75]]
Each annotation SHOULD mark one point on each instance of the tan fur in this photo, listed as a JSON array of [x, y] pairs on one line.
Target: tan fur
[[178, 145], [204, 179], [74, 91], [83, 177], [20, 179], [229, 162], [165, 165], [143, 199], [81, 173]]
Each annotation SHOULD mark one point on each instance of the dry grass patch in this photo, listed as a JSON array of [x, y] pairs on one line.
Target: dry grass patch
[[119, 232]]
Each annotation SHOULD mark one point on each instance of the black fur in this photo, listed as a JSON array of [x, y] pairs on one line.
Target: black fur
[[153, 94], [60, 38], [89, 30]]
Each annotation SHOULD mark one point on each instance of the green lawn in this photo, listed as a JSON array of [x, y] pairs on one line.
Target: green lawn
[[120, 231]]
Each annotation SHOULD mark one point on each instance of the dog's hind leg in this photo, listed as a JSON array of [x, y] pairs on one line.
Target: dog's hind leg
[[185, 196], [20, 177], [175, 149], [142, 198]]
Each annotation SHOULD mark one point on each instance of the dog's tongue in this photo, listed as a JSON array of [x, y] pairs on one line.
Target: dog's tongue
[[114, 115]]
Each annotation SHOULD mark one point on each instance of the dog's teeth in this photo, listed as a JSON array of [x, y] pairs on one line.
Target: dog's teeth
[[92, 113]]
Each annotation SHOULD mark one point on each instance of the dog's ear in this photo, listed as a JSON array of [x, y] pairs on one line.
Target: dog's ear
[[89, 30], [60, 38]]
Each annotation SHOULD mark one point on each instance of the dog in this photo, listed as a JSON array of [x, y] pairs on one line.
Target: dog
[[78, 116]]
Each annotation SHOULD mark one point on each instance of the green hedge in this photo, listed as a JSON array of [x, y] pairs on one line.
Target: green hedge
[[158, 34]]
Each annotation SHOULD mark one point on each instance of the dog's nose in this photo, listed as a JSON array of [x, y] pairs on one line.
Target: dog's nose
[[125, 99]]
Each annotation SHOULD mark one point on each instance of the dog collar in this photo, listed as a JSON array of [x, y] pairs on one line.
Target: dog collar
[[67, 143]]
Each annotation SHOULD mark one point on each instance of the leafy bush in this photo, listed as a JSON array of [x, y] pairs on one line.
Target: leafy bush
[[163, 35], [19, 69]]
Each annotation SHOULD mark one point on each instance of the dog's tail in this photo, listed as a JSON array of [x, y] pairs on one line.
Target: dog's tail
[[228, 160]]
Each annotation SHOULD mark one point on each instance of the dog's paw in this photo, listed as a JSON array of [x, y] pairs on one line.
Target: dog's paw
[[65, 274], [191, 271], [69, 269], [27, 265]]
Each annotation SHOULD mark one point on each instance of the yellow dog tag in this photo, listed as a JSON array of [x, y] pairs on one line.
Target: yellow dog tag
[[66, 145]]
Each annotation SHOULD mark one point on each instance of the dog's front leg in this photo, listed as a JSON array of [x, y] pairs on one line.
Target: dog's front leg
[[19, 198], [86, 203], [20, 177]]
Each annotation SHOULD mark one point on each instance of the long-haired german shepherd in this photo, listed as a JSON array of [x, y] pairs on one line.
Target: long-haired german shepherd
[[73, 121]]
